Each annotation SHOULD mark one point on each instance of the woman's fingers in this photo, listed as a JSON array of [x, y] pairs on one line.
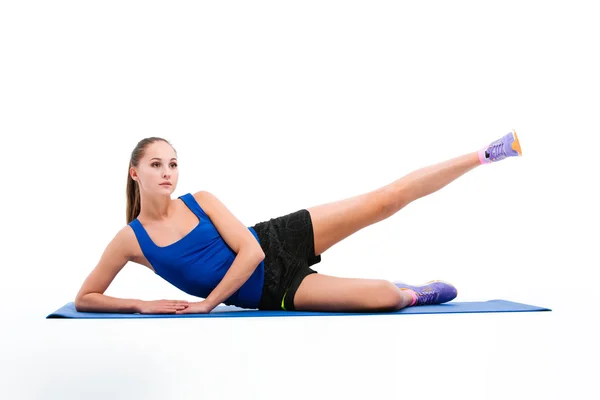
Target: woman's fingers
[[170, 306], [177, 305]]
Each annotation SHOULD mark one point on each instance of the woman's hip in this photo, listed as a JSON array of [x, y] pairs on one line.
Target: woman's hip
[[288, 244]]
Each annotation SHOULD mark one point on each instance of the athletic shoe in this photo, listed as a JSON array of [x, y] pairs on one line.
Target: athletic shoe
[[507, 146], [433, 292]]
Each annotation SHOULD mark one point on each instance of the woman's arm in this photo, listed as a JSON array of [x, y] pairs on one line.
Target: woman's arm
[[91, 297], [97, 302], [239, 272], [238, 237]]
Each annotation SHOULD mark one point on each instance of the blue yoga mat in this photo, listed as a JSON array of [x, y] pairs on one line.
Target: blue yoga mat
[[69, 311]]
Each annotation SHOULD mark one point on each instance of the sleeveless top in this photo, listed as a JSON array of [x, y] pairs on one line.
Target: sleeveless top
[[196, 263]]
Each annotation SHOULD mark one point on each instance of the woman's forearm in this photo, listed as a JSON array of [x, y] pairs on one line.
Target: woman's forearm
[[97, 302], [239, 272]]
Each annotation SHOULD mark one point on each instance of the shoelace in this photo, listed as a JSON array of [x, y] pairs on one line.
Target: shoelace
[[496, 149], [426, 297]]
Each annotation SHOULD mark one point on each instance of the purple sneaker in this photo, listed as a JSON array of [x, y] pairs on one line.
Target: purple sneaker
[[507, 146], [433, 292]]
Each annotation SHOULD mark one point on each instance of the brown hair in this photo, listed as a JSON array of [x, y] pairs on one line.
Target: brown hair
[[133, 191]]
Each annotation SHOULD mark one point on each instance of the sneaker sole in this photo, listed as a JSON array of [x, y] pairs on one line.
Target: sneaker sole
[[516, 145]]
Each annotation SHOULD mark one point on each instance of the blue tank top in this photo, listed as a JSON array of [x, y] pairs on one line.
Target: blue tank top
[[197, 263]]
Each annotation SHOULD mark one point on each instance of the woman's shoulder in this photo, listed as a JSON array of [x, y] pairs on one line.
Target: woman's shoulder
[[205, 199], [127, 241], [200, 195]]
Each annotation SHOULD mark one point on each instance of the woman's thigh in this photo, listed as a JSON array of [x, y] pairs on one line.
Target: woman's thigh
[[319, 292]]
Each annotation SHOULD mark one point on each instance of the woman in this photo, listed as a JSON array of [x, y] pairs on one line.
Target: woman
[[198, 245]]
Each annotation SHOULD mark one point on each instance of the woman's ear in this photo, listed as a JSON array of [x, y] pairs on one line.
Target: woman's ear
[[133, 174]]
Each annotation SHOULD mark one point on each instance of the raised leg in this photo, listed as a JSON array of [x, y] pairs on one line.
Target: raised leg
[[319, 292], [333, 222]]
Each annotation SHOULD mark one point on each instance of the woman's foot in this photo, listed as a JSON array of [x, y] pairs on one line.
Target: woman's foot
[[433, 292], [506, 146]]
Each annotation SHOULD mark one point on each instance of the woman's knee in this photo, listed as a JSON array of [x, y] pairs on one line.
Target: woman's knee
[[387, 296]]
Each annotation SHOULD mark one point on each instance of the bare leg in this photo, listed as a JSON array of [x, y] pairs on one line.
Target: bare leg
[[333, 222], [320, 292], [427, 180]]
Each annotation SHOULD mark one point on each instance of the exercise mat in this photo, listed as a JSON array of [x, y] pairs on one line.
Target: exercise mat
[[225, 311]]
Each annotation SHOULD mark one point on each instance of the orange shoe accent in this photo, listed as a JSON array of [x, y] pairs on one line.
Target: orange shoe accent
[[516, 145]]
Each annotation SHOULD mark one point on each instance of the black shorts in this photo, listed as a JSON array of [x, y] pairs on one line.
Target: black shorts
[[288, 244]]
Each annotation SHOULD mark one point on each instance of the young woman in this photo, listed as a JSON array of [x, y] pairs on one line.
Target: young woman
[[195, 243]]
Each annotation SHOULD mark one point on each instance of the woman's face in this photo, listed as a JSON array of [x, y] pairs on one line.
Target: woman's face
[[159, 165]]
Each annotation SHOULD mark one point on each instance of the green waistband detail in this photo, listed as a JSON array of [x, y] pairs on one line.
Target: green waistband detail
[[282, 300]]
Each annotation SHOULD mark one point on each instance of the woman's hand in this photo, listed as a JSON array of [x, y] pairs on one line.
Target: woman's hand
[[162, 306], [199, 307]]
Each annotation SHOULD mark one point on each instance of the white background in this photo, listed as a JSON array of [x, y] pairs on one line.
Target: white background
[[275, 106]]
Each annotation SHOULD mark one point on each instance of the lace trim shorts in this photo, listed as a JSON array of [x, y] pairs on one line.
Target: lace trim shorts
[[288, 244]]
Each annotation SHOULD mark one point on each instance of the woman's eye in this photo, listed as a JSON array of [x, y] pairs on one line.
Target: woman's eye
[[172, 165]]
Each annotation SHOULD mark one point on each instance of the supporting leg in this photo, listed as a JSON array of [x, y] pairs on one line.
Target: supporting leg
[[319, 292]]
